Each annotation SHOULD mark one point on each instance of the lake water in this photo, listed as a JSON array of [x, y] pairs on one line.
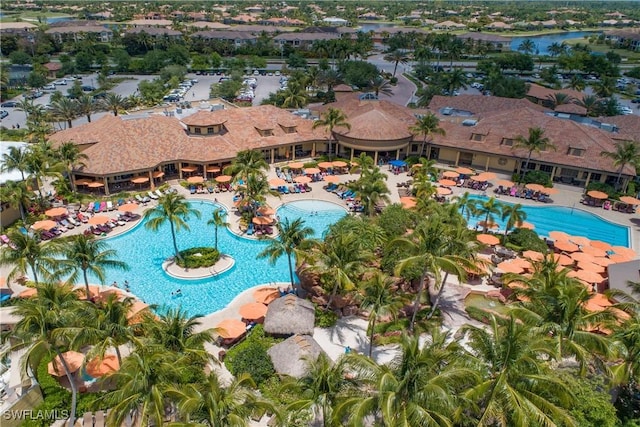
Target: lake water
[[542, 43]]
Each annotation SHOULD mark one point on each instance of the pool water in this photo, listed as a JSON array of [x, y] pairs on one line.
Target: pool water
[[145, 250], [573, 221], [484, 303]]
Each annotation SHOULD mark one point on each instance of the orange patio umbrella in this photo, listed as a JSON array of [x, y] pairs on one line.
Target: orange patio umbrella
[[488, 239], [28, 293], [99, 367], [586, 276], [533, 255], [332, 178], [266, 210], [262, 220], [53, 212], [487, 224], [525, 224], [140, 179], [195, 180], [566, 246], [158, 174], [98, 220], [447, 182], [581, 256], [302, 179], [597, 194], [580, 240], [600, 300], [339, 164], [484, 177], [72, 359], [594, 251], [563, 259], [253, 311], [266, 295], [95, 184], [616, 258], [231, 328], [450, 174], [223, 178], [511, 267], [213, 169], [94, 290], [504, 183], [590, 266], [601, 245], [296, 165], [311, 171], [104, 295], [82, 181], [602, 261], [443, 191], [535, 187], [325, 165], [627, 252], [630, 200], [189, 168], [464, 171], [549, 191], [46, 224], [408, 202], [558, 235], [136, 310], [277, 182], [128, 207]]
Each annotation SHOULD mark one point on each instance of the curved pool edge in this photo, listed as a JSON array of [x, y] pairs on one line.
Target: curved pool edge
[[226, 263]]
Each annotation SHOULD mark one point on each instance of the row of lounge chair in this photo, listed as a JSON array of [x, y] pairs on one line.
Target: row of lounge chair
[[341, 191], [296, 188], [523, 193]]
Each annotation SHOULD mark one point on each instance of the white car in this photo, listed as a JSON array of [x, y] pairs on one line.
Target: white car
[[61, 82], [624, 110], [49, 87]]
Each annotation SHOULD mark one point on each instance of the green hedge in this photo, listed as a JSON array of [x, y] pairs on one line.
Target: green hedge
[[198, 257], [325, 318], [522, 239], [250, 356]]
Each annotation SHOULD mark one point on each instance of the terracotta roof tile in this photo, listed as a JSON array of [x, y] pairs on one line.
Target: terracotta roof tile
[[543, 93], [480, 105], [571, 109], [629, 126]]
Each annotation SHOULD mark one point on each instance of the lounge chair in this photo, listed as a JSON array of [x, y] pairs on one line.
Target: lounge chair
[[5, 239], [73, 221], [152, 195], [110, 205], [250, 230], [159, 193], [99, 420], [192, 189], [96, 207], [103, 206], [66, 224], [87, 419]]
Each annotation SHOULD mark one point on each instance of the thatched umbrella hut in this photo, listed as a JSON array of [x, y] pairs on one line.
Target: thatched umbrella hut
[[290, 315], [292, 356]]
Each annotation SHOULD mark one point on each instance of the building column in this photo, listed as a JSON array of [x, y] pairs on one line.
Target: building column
[[398, 154], [457, 158], [375, 157], [486, 164], [273, 155], [204, 171], [586, 183], [313, 149], [352, 151], [553, 173], [293, 152], [106, 186], [180, 170], [151, 180]]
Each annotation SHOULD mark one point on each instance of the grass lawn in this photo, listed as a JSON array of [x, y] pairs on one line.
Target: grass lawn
[[603, 48], [32, 16], [533, 33]]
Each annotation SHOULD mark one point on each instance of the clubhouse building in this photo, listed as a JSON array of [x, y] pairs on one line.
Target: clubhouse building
[[481, 133]]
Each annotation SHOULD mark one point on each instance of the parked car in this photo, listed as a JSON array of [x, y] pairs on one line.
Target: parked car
[[33, 95], [49, 87], [3, 114], [171, 98], [624, 110], [9, 104], [633, 101], [87, 88], [61, 82]]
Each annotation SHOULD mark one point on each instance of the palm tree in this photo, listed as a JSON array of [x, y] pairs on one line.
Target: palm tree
[[535, 143], [114, 102], [210, 404], [86, 106], [294, 96], [292, 235], [590, 103], [605, 87], [65, 109], [16, 158], [379, 299], [362, 163], [488, 209], [454, 80], [577, 83], [329, 120], [556, 49], [626, 335], [218, 219], [71, 156], [396, 56], [380, 84], [43, 320], [514, 214], [468, 206], [626, 153], [256, 189], [174, 209], [372, 190], [27, 253], [17, 195], [559, 98], [516, 382], [247, 162], [427, 125], [84, 254], [527, 46]]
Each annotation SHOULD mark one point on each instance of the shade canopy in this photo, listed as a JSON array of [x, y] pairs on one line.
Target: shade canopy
[[535, 187], [627, 252], [408, 202], [128, 207], [339, 164], [46, 224], [296, 165], [450, 174], [98, 220], [563, 259], [447, 182], [398, 163], [443, 191], [332, 178], [140, 179], [558, 235], [157, 174], [266, 210], [53, 212], [302, 179], [596, 252], [601, 245], [292, 357], [488, 239], [189, 168], [581, 256], [602, 261], [135, 311], [597, 194], [265, 295], [195, 180], [325, 165], [484, 177], [525, 224], [586, 276], [262, 220], [511, 267], [277, 182], [591, 266], [464, 171], [630, 200], [580, 240], [95, 184], [488, 224], [616, 258], [72, 359], [223, 178], [253, 311], [28, 293], [533, 255], [504, 183], [83, 181], [566, 246], [99, 367], [213, 169], [290, 315], [231, 328], [311, 171], [549, 191]]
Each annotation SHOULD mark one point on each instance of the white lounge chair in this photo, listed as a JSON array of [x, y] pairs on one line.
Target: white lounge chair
[[140, 199], [110, 205], [73, 221], [159, 193], [152, 195]]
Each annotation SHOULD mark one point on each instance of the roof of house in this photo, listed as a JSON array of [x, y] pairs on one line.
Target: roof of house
[[53, 66], [563, 134], [78, 29], [571, 108], [306, 36], [16, 26], [479, 105], [541, 92], [154, 22], [225, 35], [154, 31], [120, 145], [629, 126], [211, 25]]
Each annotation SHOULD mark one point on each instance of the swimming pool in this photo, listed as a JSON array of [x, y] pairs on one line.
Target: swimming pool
[[145, 251], [573, 221]]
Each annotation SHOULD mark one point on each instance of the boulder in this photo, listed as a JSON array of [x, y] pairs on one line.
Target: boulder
[[350, 310]]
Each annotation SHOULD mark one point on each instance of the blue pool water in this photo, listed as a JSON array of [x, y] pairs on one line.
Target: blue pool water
[[145, 251], [543, 42], [574, 221]]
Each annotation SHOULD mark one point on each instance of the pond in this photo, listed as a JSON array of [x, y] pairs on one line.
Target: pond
[[543, 42]]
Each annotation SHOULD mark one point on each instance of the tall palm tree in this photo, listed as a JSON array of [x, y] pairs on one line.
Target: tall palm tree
[[559, 98], [372, 190], [294, 96], [256, 189], [535, 143], [626, 153], [627, 370], [292, 235], [17, 195], [86, 106], [527, 46], [27, 253], [454, 80], [380, 85], [210, 404], [576, 83], [247, 162], [174, 209], [329, 120], [379, 299], [468, 206], [362, 163], [516, 382], [590, 103], [425, 169], [15, 158], [427, 125], [70, 155], [65, 109], [396, 56], [40, 330], [114, 102], [488, 209], [84, 254], [218, 219], [514, 214]]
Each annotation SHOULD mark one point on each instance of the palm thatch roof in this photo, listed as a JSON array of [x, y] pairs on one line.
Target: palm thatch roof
[[292, 356], [290, 315]]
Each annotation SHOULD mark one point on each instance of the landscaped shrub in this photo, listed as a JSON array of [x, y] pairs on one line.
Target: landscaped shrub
[[325, 318], [250, 356], [522, 239], [198, 257], [605, 188], [537, 177]]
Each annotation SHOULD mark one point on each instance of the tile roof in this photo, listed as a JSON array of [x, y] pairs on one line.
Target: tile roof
[[571, 109], [564, 134], [118, 145], [480, 105], [541, 92], [629, 126]]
